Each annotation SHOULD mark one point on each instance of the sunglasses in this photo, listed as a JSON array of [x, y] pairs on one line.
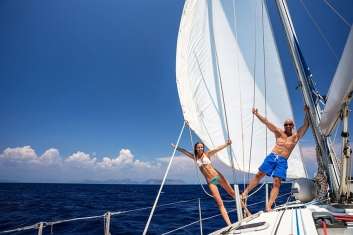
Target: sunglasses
[[288, 124]]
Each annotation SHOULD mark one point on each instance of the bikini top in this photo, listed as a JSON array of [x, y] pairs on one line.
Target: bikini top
[[204, 160]]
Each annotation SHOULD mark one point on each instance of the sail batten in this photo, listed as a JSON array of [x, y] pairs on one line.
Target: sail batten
[[217, 78]]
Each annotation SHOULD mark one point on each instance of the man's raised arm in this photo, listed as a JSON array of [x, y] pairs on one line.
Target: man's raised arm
[[305, 126], [264, 120]]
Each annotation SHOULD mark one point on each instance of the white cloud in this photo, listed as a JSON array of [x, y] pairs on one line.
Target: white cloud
[[79, 166], [80, 159], [27, 156], [50, 157], [50, 166], [19, 154], [125, 158]]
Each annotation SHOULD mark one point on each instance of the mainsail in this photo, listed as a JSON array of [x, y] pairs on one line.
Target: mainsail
[[227, 62], [340, 89]]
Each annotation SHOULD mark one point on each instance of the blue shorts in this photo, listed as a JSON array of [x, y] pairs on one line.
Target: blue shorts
[[275, 165]]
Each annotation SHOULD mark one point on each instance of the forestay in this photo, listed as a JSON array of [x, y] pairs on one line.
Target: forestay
[[215, 60], [340, 88]]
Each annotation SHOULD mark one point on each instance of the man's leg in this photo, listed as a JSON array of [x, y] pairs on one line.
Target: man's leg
[[274, 193], [253, 183]]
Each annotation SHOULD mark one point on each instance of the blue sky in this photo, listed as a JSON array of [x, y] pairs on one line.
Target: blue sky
[[97, 79]]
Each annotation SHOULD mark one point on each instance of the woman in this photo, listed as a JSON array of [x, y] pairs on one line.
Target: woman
[[213, 177]]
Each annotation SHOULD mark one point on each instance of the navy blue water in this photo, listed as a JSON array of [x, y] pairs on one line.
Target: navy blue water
[[27, 204]]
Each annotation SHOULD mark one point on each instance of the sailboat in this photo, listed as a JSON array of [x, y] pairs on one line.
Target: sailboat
[[228, 62]]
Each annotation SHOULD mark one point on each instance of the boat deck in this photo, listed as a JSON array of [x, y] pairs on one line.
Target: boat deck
[[294, 219]]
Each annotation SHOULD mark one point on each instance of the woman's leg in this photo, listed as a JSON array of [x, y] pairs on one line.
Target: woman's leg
[[228, 188], [218, 199]]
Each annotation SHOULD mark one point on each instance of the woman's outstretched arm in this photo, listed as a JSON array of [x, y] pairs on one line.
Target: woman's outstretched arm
[[184, 151], [212, 152]]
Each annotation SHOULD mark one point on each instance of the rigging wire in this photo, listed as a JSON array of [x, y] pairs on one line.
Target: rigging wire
[[231, 155], [213, 216], [337, 13], [264, 68], [254, 97], [240, 93], [46, 224], [163, 181], [204, 126], [258, 189], [317, 26], [254, 93]]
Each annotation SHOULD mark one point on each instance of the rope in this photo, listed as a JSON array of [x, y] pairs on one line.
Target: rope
[[35, 226], [213, 216], [256, 190], [264, 71], [224, 107], [185, 226], [285, 208], [45, 224], [324, 227], [319, 30], [240, 101], [254, 97], [225, 115], [202, 121], [163, 181], [254, 93], [197, 221], [75, 219], [337, 13]]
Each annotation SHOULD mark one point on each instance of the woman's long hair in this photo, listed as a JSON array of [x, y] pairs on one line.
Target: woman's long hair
[[195, 151]]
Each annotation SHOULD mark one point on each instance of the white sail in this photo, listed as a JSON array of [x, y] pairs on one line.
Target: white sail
[[341, 87], [216, 60]]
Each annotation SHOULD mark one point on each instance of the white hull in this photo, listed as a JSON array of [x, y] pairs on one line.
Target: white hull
[[293, 219]]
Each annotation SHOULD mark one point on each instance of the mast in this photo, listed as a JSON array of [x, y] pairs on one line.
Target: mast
[[344, 187], [310, 98]]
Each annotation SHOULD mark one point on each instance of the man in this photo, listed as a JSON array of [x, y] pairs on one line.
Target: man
[[275, 164]]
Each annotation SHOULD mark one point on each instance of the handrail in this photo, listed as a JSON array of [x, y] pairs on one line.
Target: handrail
[[43, 224], [47, 224], [213, 216]]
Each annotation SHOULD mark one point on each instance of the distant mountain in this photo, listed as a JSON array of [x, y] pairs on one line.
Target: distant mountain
[[158, 181], [129, 181], [110, 181]]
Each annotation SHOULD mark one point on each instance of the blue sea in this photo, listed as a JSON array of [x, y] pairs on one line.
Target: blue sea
[[26, 204]]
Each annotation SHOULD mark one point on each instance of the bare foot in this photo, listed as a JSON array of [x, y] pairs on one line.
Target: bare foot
[[246, 212], [244, 205], [268, 209], [244, 199]]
